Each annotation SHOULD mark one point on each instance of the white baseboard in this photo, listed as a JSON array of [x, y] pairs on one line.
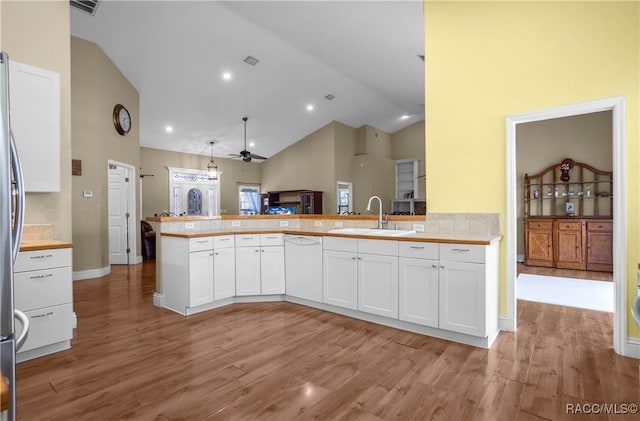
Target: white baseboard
[[75, 320], [138, 260], [520, 258], [632, 348], [158, 299], [91, 273], [505, 324]]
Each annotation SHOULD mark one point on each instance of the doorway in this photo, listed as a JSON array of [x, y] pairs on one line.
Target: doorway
[[122, 216], [617, 107]]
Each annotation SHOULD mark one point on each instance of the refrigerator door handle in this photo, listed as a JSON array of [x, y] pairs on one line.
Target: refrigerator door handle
[[24, 320], [17, 187]]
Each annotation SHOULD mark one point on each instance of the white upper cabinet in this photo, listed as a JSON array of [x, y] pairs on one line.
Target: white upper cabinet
[[35, 124]]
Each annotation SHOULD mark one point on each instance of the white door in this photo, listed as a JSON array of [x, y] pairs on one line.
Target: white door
[[378, 285], [248, 270], [272, 270], [340, 274], [418, 291], [118, 216], [462, 298], [200, 278], [224, 273]]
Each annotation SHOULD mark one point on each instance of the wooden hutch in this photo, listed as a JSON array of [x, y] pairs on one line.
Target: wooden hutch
[[304, 201], [568, 210]]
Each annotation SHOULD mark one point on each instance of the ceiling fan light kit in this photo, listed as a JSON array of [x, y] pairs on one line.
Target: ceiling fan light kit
[[245, 154]]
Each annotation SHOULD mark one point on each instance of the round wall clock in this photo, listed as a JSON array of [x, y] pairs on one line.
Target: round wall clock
[[121, 119]]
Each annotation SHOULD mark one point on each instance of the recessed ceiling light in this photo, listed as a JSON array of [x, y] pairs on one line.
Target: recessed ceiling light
[[168, 129], [404, 117], [252, 144], [310, 107], [226, 75]]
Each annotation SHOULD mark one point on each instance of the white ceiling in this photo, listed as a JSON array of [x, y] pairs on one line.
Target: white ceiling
[[174, 54]]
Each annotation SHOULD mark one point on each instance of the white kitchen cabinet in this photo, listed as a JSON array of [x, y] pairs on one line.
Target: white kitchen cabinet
[[248, 270], [43, 290], [224, 267], [260, 264], [35, 123], [340, 278], [303, 268], [378, 284], [418, 291], [187, 272], [468, 289]]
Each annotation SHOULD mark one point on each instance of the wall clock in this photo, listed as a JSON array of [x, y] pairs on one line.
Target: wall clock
[[121, 119]]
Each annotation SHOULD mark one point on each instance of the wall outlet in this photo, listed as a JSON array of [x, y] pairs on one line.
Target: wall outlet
[[235, 223], [317, 224], [339, 224], [188, 225], [87, 193], [284, 223], [418, 227]]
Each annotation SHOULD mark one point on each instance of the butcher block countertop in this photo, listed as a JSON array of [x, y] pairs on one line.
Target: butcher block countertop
[[421, 237], [35, 245]]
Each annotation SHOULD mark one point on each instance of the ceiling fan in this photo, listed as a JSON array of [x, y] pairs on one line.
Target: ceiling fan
[[245, 154]]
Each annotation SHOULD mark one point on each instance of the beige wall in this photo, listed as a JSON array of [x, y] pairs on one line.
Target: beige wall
[[155, 190], [583, 138], [97, 86], [37, 33], [409, 143], [372, 175], [307, 164]]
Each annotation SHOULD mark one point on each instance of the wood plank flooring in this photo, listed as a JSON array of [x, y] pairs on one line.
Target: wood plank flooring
[[565, 273], [281, 361]]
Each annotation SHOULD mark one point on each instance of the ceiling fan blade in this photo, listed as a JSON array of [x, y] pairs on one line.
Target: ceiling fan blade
[[235, 155], [254, 156]]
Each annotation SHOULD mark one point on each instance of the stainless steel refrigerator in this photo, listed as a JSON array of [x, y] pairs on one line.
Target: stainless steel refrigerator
[[11, 216]]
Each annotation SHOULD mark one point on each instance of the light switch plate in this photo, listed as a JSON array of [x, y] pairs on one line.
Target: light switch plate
[[339, 224], [235, 223], [284, 223], [87, 193], [188, 225], [317, 223], [418, 227]]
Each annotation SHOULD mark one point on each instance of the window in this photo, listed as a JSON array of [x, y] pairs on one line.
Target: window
[[249, 197]]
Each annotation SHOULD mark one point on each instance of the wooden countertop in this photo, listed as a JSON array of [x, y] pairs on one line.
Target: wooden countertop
[[294, 216], [420, 237], [34, 245]]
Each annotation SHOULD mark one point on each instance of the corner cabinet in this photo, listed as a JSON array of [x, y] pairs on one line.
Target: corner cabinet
[[35, 123], [568, 209]]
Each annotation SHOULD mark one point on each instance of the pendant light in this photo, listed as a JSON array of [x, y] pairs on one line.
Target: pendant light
[[212, 169]]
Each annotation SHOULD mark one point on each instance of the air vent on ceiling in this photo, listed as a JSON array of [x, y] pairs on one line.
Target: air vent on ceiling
[[87, 6], [251, 60], [329, 97]]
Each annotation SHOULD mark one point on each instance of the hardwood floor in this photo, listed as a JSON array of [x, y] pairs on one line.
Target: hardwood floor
[[565, 273], [281, 361]]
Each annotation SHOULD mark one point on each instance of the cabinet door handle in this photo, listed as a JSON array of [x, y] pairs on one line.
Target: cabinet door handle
[[257, 250], [272, 238], [442, 266], [216, 253], [202, 241], [37, 316], [48, 275], [263, 250], [434, 266], [417, 247], [41, 256], [353, 258], [223, 239], [461, 250], [359, 258], [247, 238]]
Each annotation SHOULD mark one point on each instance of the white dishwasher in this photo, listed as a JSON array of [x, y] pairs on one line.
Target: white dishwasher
[[303, 256]]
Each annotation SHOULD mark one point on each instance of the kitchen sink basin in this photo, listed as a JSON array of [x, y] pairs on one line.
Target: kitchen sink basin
[[372, 231]]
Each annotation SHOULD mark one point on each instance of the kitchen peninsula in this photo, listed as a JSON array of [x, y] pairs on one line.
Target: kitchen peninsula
[[436, 276]]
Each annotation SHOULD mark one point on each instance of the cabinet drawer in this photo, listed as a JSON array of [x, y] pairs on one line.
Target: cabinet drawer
[[272, 239], [462, 253], [540, 225], [600, 226], [418, 250], [48, 326], [42, 259], [247, 240], [223, 241], [200, 243], [43, 288], [383, 247], [340, 244], [568, 225]]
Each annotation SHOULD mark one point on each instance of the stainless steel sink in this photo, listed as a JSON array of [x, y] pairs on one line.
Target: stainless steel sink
[[372, 231]]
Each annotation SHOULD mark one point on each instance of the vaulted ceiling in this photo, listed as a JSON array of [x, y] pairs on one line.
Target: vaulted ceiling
[[364, 53]]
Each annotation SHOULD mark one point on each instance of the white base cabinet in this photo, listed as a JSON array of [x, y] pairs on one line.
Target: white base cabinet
[[378, 284], [224, 267], [260, 264], [303, 266], [340, 285], [43, 290], [418, 283]]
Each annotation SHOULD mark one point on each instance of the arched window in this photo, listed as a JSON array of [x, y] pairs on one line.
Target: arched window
[[194, 202]]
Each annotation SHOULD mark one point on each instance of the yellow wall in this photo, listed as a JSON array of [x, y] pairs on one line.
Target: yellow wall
[[487, 60], [37, 33]]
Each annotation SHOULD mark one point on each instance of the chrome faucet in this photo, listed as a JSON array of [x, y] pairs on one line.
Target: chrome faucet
[[380, 221]]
